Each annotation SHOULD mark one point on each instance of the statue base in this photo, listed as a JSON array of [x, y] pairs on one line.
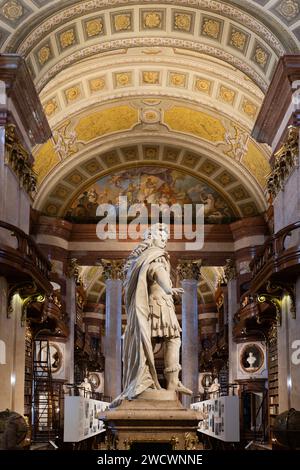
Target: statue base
[[155, 418]]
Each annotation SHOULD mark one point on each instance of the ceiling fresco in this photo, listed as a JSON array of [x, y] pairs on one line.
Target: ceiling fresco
[[151, 185]]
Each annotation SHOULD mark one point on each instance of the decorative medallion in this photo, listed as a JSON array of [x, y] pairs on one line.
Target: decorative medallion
[[239, 193], [211, 28], [94, 27], [249, 108], [238, 39], [150, 153], [52, 210], [203, 85], [75, 178], [12, 10], [289, 9], [260, 56], [208, 167], [97, 84], [224, 179], [123, 79], [73, 93], [122, 22], [130, 153], [183, 22], [150, 78], [150, 115], [50, 107], [177, 79], [67, 38], [92, 166], [226, 94], [152, 20], [44, 54], [171, 154]]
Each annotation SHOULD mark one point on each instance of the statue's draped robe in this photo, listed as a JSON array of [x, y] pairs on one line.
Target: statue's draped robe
[[138, 359]]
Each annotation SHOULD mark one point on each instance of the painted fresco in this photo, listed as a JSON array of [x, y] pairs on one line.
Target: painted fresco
[[151, 185]]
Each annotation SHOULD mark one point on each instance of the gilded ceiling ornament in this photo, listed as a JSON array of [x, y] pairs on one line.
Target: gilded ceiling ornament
[[97, 84], [249, 108], [237, 142], [122, 22], [182, 22], [238, 39], [151, 77], [211, 28], [12, 10], [226, 95], [150, 115], [65, 141], [50, 107], [152, 20], [177, 79], [73, 93], [203, 85], [288, 8], [44, 54], [52, 209], [67, 38], [150, 153], [123, 79], [261, 56], [94, 27]]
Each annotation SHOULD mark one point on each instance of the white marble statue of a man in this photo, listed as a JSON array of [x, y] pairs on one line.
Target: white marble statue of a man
[[85, 388], [150, 317]]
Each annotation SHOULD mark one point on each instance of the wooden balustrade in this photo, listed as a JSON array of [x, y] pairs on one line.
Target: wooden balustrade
[[280, 254], [24, 262]]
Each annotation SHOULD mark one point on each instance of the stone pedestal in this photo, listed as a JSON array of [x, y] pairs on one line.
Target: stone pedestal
[[155, 417]]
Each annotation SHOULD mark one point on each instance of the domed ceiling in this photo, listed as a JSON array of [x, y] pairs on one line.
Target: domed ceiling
[[176, 84]]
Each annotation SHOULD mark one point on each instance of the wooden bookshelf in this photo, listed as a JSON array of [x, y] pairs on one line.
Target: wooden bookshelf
[[273, 383]]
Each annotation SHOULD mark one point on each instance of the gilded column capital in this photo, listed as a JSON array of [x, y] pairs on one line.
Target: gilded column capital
[[112, 268], [189, 269], [230, 272], [73, 269]]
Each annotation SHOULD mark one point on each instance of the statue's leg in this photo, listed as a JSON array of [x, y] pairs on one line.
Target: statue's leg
[[172, 366]]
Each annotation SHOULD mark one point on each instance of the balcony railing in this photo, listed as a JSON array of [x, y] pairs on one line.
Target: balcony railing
[[21, 257], [281, 252]]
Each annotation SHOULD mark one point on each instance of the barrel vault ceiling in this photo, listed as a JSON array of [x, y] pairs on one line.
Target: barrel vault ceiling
[[129, 83]]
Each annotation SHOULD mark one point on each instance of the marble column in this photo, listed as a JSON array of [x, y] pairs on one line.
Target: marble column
[[113, 321], [72, 274], [288, 344], [189, 273], [12, 333]]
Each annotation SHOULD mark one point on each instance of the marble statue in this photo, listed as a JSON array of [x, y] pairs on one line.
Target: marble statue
[[214, 389], [151, 317], [85, 388], [251, 360]]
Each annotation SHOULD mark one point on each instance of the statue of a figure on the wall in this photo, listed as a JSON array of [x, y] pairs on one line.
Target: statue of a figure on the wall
[[150, 317]]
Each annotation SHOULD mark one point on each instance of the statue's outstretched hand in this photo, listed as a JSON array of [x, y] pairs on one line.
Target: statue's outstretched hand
[[177, 290]]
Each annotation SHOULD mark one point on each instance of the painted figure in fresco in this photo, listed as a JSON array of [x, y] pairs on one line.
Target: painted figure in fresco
[[151, 317]]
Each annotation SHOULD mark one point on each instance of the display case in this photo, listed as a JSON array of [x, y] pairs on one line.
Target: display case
[[82, 418], [220, 418]]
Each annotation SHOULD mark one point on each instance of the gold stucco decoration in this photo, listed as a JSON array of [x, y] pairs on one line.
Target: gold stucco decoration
[[105, 122], [50, 107], [188, 120], [151, 78], [122, 22], [67, 38], [94, 27], [12, 10], [182, 22], [44, 54], [211, 28], [152, 20]]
